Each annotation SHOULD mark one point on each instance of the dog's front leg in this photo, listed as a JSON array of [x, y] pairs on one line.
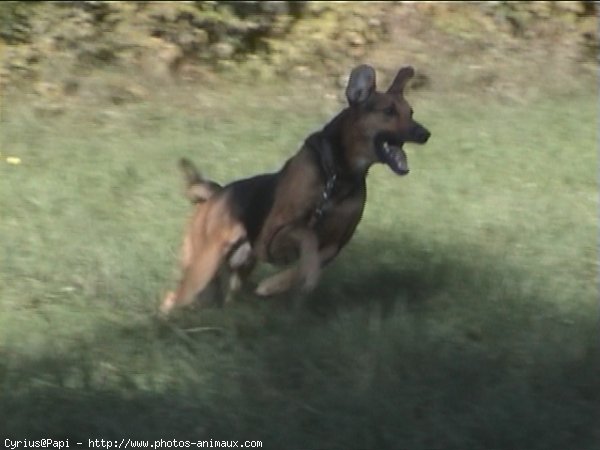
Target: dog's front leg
[[240, 264], [307, 270], [278, 283]]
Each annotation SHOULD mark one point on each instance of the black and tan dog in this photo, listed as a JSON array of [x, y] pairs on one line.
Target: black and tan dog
[[305, 213]]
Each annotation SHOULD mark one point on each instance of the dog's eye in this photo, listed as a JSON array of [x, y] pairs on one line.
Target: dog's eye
[[390, 110]]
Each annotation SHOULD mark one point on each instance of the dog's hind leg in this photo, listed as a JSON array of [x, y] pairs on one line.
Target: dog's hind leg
[[203, 268], [196, 278]]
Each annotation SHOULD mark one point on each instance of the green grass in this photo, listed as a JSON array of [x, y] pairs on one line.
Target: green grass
[[463, 314]]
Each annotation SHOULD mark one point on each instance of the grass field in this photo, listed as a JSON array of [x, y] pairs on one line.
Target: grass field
[[463, 314]]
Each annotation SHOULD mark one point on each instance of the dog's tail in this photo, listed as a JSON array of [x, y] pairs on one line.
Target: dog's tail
[[197, 189]]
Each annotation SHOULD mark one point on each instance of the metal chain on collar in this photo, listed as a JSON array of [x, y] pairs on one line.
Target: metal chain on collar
[[325, 196], [325, 159]]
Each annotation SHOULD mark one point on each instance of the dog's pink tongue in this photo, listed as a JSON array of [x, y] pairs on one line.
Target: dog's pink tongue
[[395, 157]]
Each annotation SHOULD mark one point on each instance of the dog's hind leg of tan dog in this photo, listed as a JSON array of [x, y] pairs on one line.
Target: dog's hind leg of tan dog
[[212, 236], [210, 239]]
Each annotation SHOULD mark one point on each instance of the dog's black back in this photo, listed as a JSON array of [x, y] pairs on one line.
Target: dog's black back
[[251, 201]]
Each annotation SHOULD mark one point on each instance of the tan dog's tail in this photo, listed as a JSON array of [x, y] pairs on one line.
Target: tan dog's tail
[[197, 188]]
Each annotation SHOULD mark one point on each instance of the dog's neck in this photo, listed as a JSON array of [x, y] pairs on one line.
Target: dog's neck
[[332, 135], [331, 154]]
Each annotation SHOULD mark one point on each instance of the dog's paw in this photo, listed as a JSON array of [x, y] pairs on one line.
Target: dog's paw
[[264, 290], [241, 256], [311, 278], [235, 283], [311, 281], [278, 283], [271, 287], [167, 304]]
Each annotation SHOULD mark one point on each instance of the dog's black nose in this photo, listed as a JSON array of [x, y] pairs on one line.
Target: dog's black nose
[[420, 133]]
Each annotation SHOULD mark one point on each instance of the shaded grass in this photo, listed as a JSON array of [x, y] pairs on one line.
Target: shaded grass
[[462, 315]]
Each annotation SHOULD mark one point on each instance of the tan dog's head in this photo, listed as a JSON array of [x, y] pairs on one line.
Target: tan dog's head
[[379, 123]]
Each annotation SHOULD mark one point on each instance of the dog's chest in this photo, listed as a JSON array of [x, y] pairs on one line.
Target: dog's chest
[[340, 202]]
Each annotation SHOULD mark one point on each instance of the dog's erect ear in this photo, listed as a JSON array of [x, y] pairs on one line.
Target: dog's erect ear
[[361, 84], [402, 77]]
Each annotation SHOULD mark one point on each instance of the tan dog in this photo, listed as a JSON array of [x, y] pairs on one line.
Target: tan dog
[[306, 212]]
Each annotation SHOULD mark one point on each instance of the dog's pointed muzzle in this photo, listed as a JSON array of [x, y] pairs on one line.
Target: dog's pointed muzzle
[[419, 134]]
